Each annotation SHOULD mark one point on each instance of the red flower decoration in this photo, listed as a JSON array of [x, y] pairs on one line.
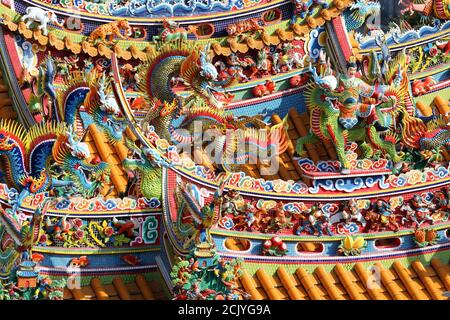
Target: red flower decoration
[[79, 234], [433, 52], [43, 238], [108, 231], [77, 223]]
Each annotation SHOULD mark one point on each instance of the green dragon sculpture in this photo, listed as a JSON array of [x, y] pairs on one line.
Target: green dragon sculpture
[[342, 116], [149, 170], [325, 104]]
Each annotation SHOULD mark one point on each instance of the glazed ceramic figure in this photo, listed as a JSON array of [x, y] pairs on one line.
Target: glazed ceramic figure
[[352, 212], [42, 17], [422, 210], [250, 217], [281, 217], [353, 89], [263, 63], [110, 30], [171, 32], [127, 71], [304, 8], [383, 207], [244, 26], [319, 221], [276, 62], [236, 67], [233, 203], [292, 57]]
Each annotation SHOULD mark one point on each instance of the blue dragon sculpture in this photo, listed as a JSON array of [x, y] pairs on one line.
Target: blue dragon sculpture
[[93, 92]]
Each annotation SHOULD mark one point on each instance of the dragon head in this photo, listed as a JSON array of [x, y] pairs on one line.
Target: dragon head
[[366, 8], [107, 113]]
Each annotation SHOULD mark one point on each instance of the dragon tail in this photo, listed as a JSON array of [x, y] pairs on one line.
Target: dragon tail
[[71, 97], [412, 128], [40, 141]]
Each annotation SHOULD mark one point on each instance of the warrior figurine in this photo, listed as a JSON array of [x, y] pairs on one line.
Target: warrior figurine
[[353, 88]]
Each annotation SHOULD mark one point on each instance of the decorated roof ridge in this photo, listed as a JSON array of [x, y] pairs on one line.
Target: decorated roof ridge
[[414, 282], [294, 30], [81, 207], [288, 166], [306, 238], [134, 52], [180, 19], [397, 39], [137, 289]]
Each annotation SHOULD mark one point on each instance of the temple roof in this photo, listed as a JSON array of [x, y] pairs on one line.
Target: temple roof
[[112, 154], [139, 289], [415, 282]]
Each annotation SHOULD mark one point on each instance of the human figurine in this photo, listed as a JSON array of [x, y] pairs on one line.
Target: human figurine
[[353, 88], [88, 65], [281, 219], [236, 67], [422, 210], [305, 224], [387, 218], [319, 221], [276, 62], [233, 203], [250, 217], [351, 212], [316, 221], [383, 207]]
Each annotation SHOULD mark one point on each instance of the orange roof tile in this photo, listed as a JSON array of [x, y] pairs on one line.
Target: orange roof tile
[[415, 282], [139, 289], [112, 154]]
